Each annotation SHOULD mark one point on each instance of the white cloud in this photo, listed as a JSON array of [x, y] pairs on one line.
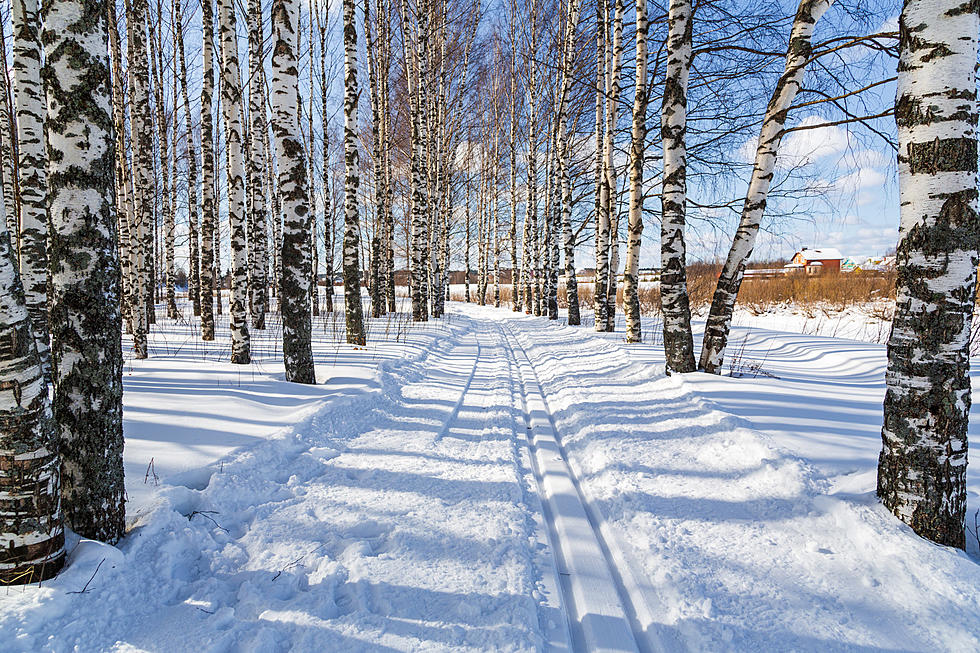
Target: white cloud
[[813, 144], [860, 179]]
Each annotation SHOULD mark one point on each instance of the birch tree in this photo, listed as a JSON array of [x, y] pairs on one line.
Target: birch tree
[[922, 466], [533, 293], [257, 128], [31, 169], [420, 207], [601, 279], [125, 211], [297, 321], [209, 207], [379, 191], [353, 311], [798, 55], [515, 270], [193, 248], [142, 143], [86, 325], [631, 281], [563, 155], [328, 236], [678, 340], [613, 76], [231, 104], [167, 200], [30, 510], [8, 169]]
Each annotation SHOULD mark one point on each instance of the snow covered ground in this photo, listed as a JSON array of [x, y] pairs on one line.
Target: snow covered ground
[[498, 482]]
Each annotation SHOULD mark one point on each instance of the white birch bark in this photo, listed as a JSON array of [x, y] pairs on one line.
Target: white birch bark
[[297, 320], [328, 222], [353, 311], [209, 208], [420, 206], [86, 325], [770, 135], [30, 511], [193, 237], [612, 184], [678, 340], [922, 467], [31, 167], [231, 104], [601, 279], [168, 201], [515, 278], [142, 144], [8, 169], [124, 182], [563, 155], [256, 172]]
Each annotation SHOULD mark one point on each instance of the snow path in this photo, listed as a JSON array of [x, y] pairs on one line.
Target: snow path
[[414, 499], [599, 607], [401, 521]]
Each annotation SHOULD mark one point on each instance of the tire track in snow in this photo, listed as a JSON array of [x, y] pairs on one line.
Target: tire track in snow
[[601, 610]]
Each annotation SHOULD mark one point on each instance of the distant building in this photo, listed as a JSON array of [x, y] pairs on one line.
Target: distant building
[[813, 262], [867, 263]]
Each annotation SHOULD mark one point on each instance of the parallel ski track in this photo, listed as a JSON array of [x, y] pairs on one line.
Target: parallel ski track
[[584, 637]]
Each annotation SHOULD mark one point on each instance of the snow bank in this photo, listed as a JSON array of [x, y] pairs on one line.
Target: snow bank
[[739, 544]]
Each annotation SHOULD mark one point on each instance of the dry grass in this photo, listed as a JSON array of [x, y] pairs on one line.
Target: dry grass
[[833, 292]]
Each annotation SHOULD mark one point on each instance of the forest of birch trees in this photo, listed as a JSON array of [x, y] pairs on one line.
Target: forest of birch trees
[[249, 164]]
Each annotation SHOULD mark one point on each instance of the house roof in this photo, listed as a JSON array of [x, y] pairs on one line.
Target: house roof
[[824, 254]]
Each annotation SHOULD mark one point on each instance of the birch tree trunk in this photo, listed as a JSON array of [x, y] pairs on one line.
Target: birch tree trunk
[[612, 185], [124, 183], [275, 215], [30, 503], [437, 164], [297, 321], [723, 303], [380, 195], [420, 134], [353, 311], [631, 279], [469, 227], [314, 258], [554, 228], [515, 280], [31, 166], [257, 128], [142, 144], [86, 325], [563, 154], [168, 201], [231, 104], [384, 70], [531, 213], [546, 287], [678, 340], [193, 250], [922, 466], [8, 168], [601, 279], [328, 235], [209, 208]]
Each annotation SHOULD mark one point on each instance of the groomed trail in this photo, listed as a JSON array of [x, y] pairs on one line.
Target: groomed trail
[[511, 485]]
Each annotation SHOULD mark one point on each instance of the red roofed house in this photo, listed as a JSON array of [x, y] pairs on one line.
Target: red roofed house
[[816, 261]]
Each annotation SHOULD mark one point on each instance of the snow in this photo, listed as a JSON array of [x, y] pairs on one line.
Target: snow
[[820, 254], [410, 501]]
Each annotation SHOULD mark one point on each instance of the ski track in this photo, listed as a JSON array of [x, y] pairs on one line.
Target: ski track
[[513, 485]]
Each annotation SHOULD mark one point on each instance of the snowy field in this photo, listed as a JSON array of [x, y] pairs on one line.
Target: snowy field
[[497, 482]]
